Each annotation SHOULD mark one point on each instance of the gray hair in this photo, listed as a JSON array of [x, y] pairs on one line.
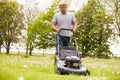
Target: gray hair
[[62, 3]]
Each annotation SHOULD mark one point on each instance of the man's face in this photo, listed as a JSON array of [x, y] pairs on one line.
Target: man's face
[[63, 8]]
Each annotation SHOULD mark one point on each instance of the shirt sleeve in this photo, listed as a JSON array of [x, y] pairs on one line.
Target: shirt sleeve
[[73, 17], [54, 18]]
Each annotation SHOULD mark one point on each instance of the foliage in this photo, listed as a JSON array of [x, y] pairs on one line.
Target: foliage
[[31, 12], [113, 7], [40, 34], [46, 35], [93, 28], [11, 22]]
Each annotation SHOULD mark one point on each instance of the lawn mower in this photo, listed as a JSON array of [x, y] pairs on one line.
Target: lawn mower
[[68, 59]]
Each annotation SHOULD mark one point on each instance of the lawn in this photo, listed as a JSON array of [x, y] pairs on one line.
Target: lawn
[[39, 67]]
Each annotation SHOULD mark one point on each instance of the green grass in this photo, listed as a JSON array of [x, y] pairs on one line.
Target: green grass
[[39, 67]]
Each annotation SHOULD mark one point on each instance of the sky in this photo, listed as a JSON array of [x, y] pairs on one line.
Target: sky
[[75, 5], [43, 4]]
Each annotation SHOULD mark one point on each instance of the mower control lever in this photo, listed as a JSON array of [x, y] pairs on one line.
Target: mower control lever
[[66, 30]]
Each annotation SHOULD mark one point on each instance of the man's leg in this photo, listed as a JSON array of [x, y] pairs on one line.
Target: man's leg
[[65, 41]]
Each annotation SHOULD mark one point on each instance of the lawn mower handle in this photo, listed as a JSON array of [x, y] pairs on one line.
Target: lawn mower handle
[[66, 30]]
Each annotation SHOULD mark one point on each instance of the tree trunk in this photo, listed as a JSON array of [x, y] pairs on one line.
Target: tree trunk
[[0, 48], [27, 49], [7, 50], [30, 53], [116, 11], [30, 49]]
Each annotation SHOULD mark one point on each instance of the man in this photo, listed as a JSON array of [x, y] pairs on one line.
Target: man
[[65, 20]]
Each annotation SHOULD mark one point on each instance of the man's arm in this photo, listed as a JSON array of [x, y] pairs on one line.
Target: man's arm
[[54, 26], [74, 26]]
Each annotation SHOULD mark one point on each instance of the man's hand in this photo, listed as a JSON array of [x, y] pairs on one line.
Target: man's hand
[[58, 30], [74, 30], [74, 26], [55, 27]]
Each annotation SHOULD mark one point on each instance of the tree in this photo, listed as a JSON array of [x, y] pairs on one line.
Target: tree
[[93, 29], [32, 37], [40, 34], [31, 13], [46, 39], [113, 7], [11, 23], [117, 15], [1, 24]]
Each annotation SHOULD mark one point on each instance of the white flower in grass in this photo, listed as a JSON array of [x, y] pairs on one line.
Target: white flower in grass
[[90, 79], [20, 78], [97, 79], [16, 58], [103, 78], [113, 72], [31, 64], [104, 66], [118, 72], [25, 66]]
